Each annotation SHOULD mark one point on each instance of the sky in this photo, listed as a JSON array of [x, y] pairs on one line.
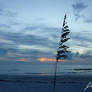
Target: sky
[[30, 30]]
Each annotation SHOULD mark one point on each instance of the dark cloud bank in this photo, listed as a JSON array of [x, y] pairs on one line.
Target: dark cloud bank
[[9, 47]]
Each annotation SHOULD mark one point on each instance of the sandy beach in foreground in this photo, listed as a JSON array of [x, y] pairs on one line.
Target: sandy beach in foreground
[[26, 83]]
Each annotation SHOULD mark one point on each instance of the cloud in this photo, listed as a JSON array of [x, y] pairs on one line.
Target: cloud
[[78, 8], [76, 59], [21, 46], [44, 36], [88, 19], [3, 51], [33, 27], [36, 47], [89, 52], [80, 42], [7, 17], [83, 37], [4, 26], [19, 39], [5, 12], [23, 59], [40, 29], [44, 33]]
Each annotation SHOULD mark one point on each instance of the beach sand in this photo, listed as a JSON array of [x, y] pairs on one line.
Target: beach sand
[[26, 83]]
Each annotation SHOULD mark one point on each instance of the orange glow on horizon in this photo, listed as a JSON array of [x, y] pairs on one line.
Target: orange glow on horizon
[[43, 59], [22, 59]]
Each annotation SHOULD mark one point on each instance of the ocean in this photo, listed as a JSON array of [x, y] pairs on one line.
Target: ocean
[[44, 69], [39, 77]]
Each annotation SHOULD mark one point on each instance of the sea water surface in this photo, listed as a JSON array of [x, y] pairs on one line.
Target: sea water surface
[[44, 69]]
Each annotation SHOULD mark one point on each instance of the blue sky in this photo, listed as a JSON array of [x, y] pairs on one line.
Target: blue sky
[[30, 29]]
